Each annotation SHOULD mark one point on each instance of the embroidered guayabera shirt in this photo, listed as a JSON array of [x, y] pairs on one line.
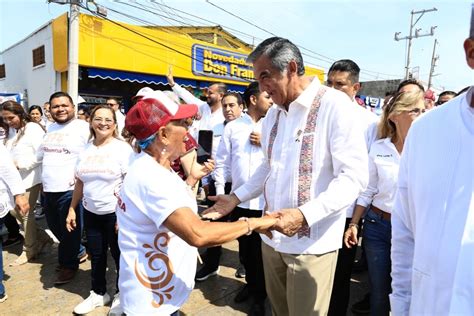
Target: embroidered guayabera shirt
[[338, 169]]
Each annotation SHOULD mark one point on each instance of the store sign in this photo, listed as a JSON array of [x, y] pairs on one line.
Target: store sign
[[218, 63]]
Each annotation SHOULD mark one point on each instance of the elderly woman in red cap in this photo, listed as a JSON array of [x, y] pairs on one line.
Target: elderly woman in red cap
[[158, 225]]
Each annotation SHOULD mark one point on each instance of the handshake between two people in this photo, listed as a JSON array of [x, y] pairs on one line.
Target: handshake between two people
[[286, 221]]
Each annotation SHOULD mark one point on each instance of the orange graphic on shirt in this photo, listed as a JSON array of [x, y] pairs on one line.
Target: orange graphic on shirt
[[158, 284]]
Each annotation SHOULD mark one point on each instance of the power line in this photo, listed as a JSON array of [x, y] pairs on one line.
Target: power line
[[329, 59], [149, 38]]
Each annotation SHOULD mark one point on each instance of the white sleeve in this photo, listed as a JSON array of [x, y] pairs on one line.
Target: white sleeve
[[350, 165], [187, 96], [9, 174], [365, 199], [402, 241], [254, 186], [35, 135], [223, 161]]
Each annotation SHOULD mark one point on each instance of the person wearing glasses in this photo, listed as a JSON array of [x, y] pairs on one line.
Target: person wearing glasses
[[114, 103], [445, 96], [99, 174], [384, 160], [159, 227], [23, 140]]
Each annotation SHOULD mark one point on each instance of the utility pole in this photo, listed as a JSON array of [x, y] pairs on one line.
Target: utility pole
[[412, 36], [73, 67], [434, 58], [73, 48]]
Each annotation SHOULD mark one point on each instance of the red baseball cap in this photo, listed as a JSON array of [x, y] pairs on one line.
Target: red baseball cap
[[153, 111]]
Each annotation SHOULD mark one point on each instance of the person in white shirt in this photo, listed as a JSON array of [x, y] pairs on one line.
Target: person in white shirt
[[114, 103], [315, 166], [232, 106], [433, 216], [240, 154], [12, 196], [209, 114], [343, 75], [384, 161], [62, 144], [24, 140], [156, 212], [99, 174]]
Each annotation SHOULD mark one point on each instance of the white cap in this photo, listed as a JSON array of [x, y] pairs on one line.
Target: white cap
[[143, 91], [170, 105]]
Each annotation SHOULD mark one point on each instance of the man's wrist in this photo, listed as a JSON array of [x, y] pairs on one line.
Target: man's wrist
[[235, 199]]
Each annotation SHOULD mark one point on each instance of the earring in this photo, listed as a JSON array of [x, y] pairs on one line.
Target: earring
[[163, 151]]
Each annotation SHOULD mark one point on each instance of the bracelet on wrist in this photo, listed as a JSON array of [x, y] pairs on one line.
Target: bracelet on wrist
[[354, 225], [249, 230]]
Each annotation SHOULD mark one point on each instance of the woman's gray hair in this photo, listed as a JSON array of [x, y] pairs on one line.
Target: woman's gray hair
[[280, 51]]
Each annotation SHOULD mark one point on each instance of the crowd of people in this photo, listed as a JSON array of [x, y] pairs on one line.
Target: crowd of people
[[298, 172]]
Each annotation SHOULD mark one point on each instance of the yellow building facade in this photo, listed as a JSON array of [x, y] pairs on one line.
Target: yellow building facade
[[113, 53]]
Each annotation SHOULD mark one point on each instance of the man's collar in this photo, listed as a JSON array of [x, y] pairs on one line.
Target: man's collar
[[307, 96]]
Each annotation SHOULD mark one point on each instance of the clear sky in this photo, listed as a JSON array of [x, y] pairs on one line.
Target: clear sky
[[359, 30]]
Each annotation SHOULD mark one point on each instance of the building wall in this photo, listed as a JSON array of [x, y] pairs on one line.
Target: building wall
[[40, 81]]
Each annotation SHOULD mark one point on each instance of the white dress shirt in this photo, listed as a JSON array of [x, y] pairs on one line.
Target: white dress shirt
[[433, 216], [369, 123], [384, 161], [120, 122], [237, 157], [340, 169]]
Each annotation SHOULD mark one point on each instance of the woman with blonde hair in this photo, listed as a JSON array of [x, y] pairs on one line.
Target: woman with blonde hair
[[23, 140], [384, 160]]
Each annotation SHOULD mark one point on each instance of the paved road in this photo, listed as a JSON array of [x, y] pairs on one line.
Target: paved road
[[31, 291]]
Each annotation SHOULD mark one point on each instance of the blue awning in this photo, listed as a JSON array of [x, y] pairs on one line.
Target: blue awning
[[152, 79]]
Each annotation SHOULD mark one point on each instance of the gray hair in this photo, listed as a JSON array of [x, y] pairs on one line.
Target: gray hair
[[280, 51]]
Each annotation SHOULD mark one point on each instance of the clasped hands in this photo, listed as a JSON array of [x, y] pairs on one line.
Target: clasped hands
[[286, 221]]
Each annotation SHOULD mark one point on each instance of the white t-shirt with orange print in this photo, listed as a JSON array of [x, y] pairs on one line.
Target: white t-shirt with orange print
[[102, 170], [157, 268], [59, 152]]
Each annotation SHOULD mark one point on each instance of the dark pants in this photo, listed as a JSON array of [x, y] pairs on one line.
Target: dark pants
[[212, 255], [12, 226], [378, 243], [342, 279], [2, 287], [250, 252], [100, 232], [56, 211]]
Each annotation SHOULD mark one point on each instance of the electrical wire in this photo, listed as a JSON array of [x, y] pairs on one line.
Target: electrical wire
[[149, 38], [328, 59]]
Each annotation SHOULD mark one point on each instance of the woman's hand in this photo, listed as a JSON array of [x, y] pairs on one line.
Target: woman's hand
[[350, 236], [71, 220], [263, 225], [199, 171]]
